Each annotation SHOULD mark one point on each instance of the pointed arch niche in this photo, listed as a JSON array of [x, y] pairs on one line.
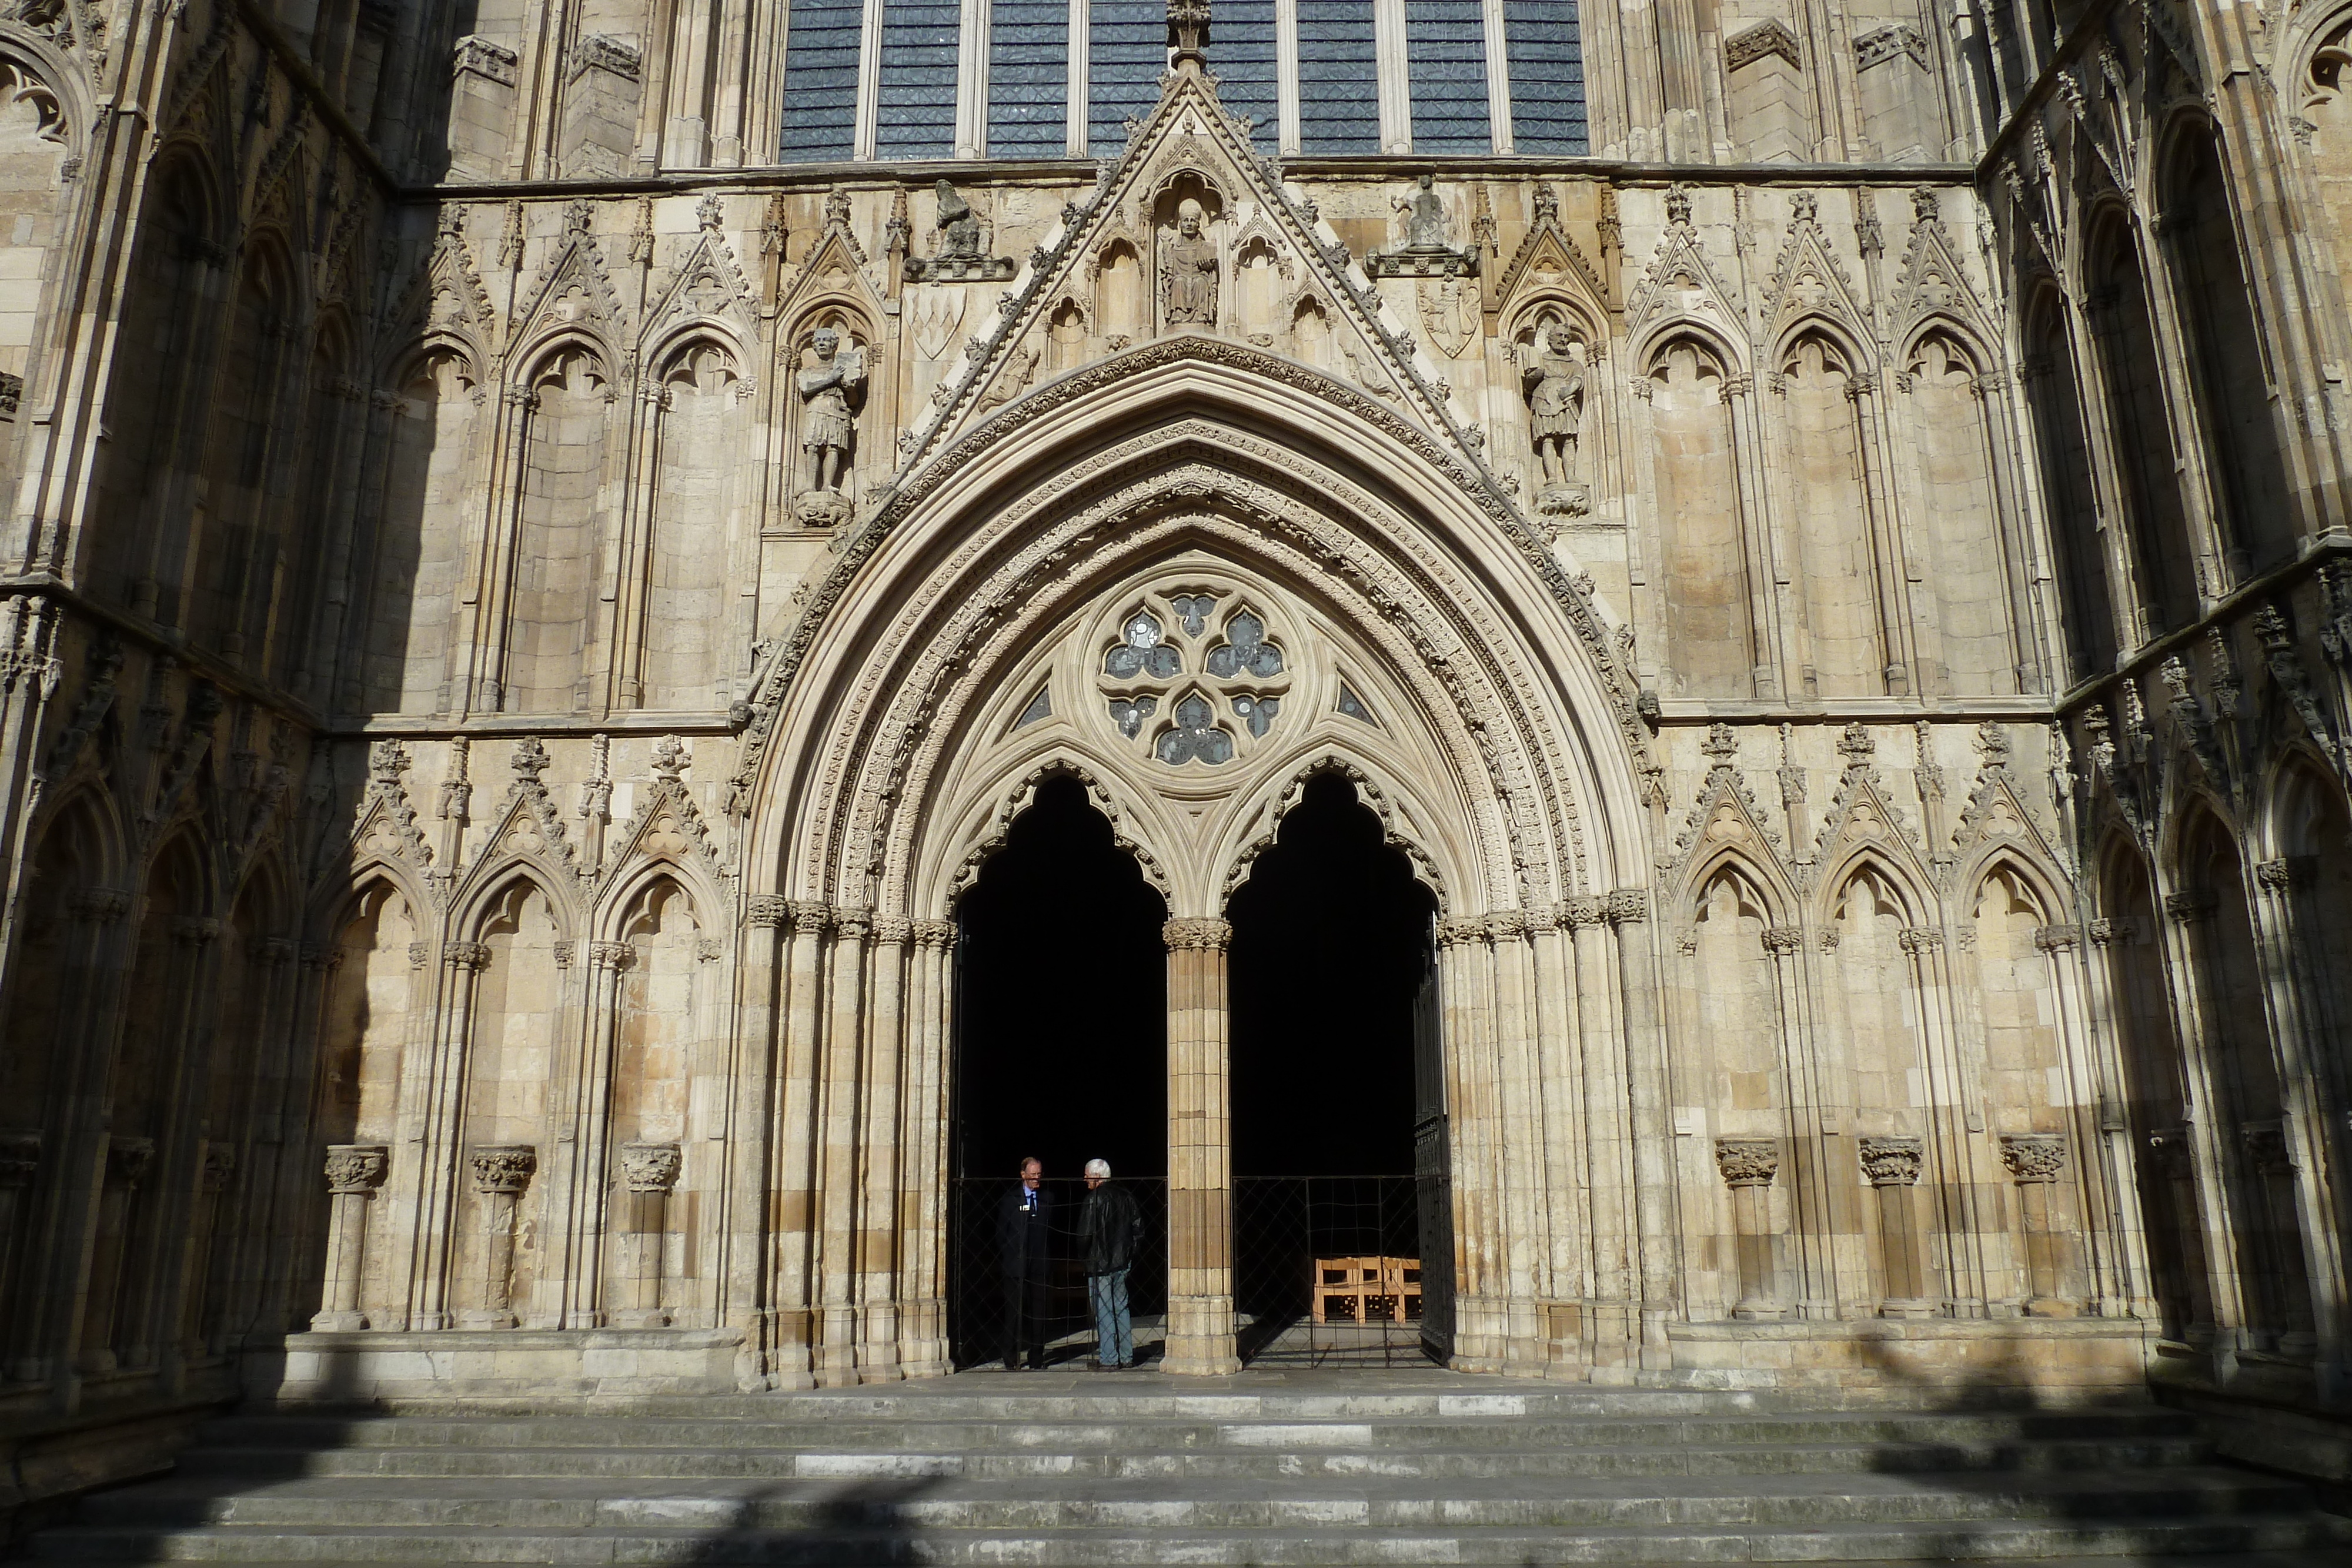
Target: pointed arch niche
[[1712, 640], [1846, 578], [692, 499]]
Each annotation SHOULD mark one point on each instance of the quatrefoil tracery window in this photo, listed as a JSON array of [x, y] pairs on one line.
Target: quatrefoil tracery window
[[1191, 682]]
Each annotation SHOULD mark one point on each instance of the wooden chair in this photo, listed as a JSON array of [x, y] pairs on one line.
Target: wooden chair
[[1367, 1287]]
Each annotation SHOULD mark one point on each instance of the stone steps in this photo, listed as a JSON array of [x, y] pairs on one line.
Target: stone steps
[[1274, 1468]]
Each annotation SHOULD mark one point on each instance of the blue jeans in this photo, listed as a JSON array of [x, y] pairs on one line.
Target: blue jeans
[[1114, 1334]]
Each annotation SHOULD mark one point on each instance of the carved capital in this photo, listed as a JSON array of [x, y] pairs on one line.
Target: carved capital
[[1629, 906], [467, 955], [2107, 932], [1202, 936], [2172, 1154], [20, 1158], [195, 930], [2057, 939], [479, 57], [650, 1167], [220, 1166], [1891, 1162], [939, 933], [1783, 939], [99, 905], [2281, 874], [1748, 1161], [893, 930], [2188, 908], [502, 1168], [1583, 909], [127, 1160], [811, 918], [2267, 1148], [356, 1167], [1506, 925], [1920, 938], [614, 955], [2033, 1157], [852, 924], [767, 909]]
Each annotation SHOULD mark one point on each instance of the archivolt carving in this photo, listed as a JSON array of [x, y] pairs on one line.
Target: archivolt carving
[[1407, 615], [1478, 488]]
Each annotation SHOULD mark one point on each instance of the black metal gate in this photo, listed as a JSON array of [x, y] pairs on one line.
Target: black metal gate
[[980, 1308], [1433, 1164]]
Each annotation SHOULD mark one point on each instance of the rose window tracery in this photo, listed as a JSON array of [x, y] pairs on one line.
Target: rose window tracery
[[1193, 686]]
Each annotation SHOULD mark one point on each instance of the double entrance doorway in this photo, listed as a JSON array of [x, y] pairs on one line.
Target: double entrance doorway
[[1336, 1210]]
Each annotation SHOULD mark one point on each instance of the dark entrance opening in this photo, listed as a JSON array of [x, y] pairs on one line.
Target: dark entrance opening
[[1061, 1051], [1335, 1095]]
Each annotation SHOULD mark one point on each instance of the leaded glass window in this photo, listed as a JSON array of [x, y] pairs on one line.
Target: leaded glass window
[[1546, 75], [1244, 651], [1127, 48], [1196, 737], [1028, 79], [920, 46], [1242, 53], [1339, 78], [821, 80], [1445, 49], [1143, 650]]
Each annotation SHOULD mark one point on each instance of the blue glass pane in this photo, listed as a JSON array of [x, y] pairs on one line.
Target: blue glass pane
[[1127, 48], [1546, 75], [1241, 54], [916, 117], [1445, 51], [1028, 79], [1339, 78], [821, 80]]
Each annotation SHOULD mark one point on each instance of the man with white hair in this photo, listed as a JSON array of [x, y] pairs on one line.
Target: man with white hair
[[1110, 1229]]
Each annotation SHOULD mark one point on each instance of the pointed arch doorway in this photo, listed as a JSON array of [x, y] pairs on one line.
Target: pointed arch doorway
[[1060, 1053], [1342, 1232]]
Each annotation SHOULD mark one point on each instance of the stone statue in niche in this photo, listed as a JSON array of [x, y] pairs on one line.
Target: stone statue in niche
[[959, 257], [1188, 271], [1425, 253], [1551, 372], [830, 383]]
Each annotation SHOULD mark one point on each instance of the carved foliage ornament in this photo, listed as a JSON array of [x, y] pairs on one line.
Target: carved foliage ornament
[[650, 1167], [1748, 1161], [2034, 1156], [503, 1168], [1891, 1162], [356, 1167]]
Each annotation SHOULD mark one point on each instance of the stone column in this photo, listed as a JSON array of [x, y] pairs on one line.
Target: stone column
[[1199, 1153], [501, 1172], [2034, 1160], [1651, 1130], [880, 1211], [127, 1160], [838, 1094], [744, 1297], [923, 1150], [2270, 1160], [20, 1162], [798, 1138], [1749, 1165], [648, 1172], [2173, 1155], [203, 1273], [1893, 1166], [355, 1171]]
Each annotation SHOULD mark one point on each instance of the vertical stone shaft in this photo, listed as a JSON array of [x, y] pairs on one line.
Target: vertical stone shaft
[[353, 1173], [1893, 1166], [1199, 1153], [1749, 1165], [500, 1172], [747, 1295], [837, 1155], [877, 1226], [923, 1150]]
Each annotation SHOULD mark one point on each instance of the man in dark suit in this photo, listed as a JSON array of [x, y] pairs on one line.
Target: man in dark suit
[[1025, 1225]]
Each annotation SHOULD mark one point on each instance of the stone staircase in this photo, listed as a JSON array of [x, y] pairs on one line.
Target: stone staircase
[[1303, 1468]]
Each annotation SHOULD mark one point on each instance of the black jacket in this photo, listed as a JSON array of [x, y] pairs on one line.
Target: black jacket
[[1110, 1229], [1023, 1243]]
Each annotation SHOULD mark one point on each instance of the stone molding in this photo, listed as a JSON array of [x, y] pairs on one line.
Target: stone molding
[[1897, 41], [485, 58], [127, 1159], [1769, 38], [20, 1158]]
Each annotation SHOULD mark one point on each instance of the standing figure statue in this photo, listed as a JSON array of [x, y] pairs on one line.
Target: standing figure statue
[[828, 424], [1553, 377], [1188, 271]]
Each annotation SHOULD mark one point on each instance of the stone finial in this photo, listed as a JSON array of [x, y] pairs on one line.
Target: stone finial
[[670, 759], [650, 1167], [356, 1167], [2034, 1156], [504, 1168], [1748, 1161], [1891, 1162]]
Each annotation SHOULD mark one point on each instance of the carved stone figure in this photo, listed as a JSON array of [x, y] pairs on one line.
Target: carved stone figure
[[1424, 216], [829, 390], [1425, 253], [1188, 272], [959, 227], [1552, 375], [959, 258]]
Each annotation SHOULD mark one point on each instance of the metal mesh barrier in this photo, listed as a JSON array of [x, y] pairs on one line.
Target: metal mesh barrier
[[1327, 1270], [1054, 1316]]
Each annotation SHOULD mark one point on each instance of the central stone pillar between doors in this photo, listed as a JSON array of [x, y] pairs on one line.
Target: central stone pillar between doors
[[1199, 1153]]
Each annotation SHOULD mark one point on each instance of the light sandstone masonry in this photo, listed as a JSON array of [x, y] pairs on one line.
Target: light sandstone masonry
[[500, 668]]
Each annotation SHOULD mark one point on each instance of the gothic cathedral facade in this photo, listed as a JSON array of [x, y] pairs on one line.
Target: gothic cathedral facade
[[552, 543]]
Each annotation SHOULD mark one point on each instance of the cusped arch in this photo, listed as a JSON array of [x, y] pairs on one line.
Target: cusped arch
[[494, 897], [1117, 806], [1772, 893], [1855, 357], [1259, 824], [1912, 892], [1651, 346]]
